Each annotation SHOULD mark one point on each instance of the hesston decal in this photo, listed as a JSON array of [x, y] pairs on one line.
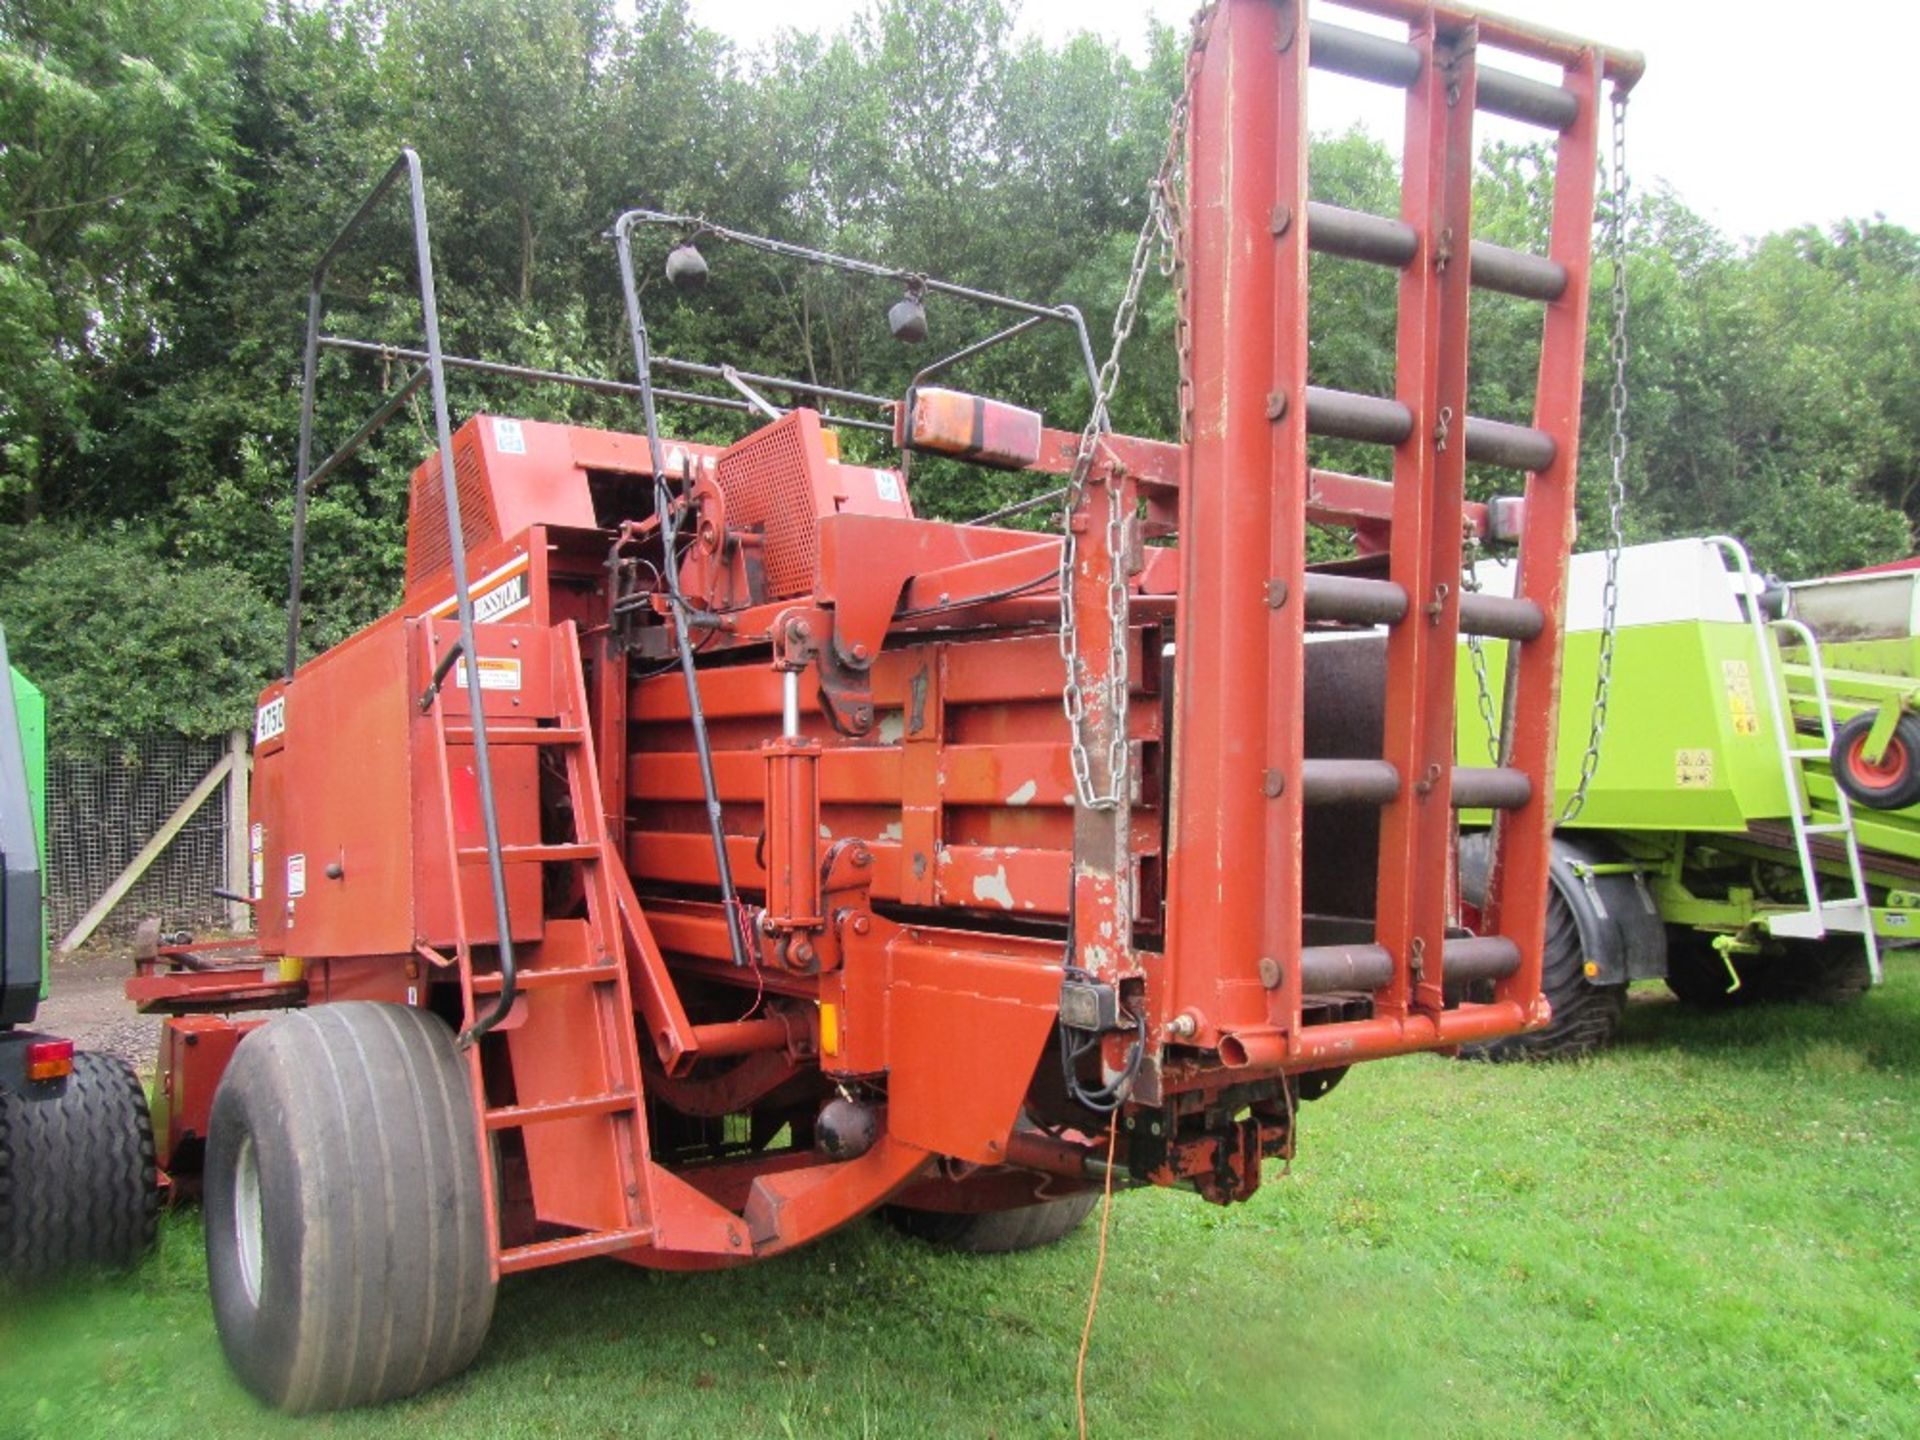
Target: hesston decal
[[495, 596]]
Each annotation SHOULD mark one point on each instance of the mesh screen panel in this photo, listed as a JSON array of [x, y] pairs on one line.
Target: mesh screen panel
[[100, 812], [768, 482]]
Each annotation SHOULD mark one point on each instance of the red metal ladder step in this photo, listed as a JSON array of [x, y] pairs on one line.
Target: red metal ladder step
[[488, 983], [511, 1117], [518, 735], [573, 1046]]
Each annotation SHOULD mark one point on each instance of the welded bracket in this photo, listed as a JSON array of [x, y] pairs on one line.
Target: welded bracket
[[805, 635]]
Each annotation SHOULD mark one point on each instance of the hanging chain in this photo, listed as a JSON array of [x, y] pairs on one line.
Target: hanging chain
[[1476, 649], [1160, 235], [1617, 459]]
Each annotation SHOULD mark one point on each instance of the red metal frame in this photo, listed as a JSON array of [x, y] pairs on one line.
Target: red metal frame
[[918, 878]]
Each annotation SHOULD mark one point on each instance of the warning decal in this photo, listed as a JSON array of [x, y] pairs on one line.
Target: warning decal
[[1693, 769], [494, 674], [296, 876], [1739, 682]]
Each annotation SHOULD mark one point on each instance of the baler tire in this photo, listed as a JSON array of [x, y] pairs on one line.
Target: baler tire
[[347, 1251], [995, 1232], [77, 1180], [1834, 971], [1586, 1016], [1893, 784]]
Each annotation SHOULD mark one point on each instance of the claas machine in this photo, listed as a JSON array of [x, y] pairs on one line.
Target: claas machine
[[710, 850], [1752, 832]]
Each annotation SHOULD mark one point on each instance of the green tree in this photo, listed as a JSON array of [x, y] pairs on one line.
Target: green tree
[[127, 642], [118, 157]]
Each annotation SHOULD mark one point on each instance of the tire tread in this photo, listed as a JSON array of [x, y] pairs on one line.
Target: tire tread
[[995, 1232], [77, 1175]]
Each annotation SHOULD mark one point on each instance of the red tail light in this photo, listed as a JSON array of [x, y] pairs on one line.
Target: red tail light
[[49, 1059]]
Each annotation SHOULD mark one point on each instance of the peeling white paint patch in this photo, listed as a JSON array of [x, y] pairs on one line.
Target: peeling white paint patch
[[893, 727], [1024, 795], [892, 832], [994, 887], [825, 834]]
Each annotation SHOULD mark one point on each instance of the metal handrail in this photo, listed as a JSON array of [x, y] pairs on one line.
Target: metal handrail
[[695, 226], [408, 164], [1843, 803], [1779, 705]]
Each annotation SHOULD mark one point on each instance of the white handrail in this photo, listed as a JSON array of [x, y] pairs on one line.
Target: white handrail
[[1781, 704]]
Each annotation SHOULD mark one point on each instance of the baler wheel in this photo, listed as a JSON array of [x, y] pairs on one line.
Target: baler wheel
[[1892, 784], [994, 1232], [76, 1174], [347, 1249], [1586, 1016], [1833, 971]]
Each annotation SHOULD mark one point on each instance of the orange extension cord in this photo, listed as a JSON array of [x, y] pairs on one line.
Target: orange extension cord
[[1099, 1272]]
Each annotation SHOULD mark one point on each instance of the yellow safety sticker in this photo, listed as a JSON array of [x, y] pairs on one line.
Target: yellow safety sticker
[[1746, 717], [1693, 769]]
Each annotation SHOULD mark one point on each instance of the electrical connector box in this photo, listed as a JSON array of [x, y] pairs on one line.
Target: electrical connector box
[[1089, 1005]]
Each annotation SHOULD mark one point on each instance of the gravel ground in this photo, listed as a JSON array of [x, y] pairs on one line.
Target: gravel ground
[[88, 1004]]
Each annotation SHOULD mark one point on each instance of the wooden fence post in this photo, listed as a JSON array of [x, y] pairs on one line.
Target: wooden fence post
[[239, 845]]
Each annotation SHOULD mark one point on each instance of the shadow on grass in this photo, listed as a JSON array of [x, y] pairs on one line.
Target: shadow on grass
[[1881, 1027]]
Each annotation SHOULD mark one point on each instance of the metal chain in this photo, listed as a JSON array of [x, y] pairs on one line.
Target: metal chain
[[1159, 235], [1476, 649], [1617, 458]]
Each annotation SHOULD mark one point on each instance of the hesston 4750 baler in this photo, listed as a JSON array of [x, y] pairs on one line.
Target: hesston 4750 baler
[[708, 851]]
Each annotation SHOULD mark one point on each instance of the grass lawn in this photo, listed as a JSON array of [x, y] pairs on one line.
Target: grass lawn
[[1709, 1231]]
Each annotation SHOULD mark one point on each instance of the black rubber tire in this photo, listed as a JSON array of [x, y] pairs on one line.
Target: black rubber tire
[[347, 1249], [996, 1232], [1833, 971], [77, 1182], [1893, 786], [1586, 1016]]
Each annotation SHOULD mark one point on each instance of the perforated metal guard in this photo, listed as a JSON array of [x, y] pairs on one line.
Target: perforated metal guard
[[775, 483]]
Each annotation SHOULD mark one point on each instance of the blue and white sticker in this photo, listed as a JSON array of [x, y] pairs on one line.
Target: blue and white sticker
[[509, 438]]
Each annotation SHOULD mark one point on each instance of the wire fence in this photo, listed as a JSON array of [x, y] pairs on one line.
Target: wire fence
[[101, 812]]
